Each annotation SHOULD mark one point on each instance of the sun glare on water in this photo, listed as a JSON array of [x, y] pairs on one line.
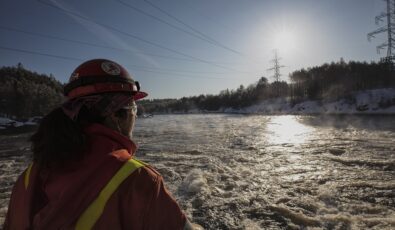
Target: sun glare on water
[[287, 129]]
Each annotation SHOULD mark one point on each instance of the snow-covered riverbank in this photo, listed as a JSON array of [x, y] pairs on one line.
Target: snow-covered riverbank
[[377, 101]]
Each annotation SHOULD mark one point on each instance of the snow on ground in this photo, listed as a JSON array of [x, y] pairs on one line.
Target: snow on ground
[[377, 101], [7, 122], [4, 121]]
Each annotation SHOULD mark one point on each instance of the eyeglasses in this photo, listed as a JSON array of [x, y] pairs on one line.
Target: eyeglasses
[[131, 106]]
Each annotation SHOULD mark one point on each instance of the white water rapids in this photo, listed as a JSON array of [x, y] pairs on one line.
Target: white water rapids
[[262, 172]]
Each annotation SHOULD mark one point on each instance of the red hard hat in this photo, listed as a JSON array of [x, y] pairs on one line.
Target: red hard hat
[[101, 76]]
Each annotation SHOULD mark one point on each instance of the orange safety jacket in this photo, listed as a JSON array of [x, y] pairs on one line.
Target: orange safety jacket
[[106, 189]]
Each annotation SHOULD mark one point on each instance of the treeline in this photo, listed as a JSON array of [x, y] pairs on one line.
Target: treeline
[[238, 98], [337, 80], [24, 93], [325, 83]]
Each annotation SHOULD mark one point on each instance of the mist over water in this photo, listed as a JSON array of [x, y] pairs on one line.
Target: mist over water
[[262, 172]]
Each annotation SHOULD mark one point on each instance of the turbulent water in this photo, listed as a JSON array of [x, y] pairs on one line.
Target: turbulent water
[[262, 172]]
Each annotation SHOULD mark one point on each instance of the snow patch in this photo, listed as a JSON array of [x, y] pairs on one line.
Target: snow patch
[[5, 121]]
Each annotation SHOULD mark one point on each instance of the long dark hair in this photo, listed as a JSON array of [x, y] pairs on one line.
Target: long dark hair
[[59, 139]]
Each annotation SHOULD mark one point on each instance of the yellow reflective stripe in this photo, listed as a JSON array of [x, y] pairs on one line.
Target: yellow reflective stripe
[[89, 217], [27, 175], [139, 161]]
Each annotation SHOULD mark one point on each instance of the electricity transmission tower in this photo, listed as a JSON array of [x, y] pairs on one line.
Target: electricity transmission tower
[[276, 68], [390, 29]]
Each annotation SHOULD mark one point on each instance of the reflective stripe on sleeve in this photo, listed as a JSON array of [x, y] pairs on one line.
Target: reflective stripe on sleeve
[[27, 175], [89, 217]]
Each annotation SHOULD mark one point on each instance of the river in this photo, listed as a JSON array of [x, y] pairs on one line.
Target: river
[[262, 172]]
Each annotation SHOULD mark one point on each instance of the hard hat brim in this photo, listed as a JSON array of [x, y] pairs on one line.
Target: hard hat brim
[[139, 95]]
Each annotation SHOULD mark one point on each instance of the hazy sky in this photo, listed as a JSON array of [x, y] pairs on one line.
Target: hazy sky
[[181, 48]]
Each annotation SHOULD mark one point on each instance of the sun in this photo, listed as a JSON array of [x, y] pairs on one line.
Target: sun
[[285, 40]]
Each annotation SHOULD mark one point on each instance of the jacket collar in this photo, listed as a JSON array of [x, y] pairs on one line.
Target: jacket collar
[[123, 141]]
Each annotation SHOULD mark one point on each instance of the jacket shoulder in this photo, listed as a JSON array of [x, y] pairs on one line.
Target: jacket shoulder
[[147, 175]]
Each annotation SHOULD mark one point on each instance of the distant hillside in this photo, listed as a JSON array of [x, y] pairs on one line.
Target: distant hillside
[[24, 93]]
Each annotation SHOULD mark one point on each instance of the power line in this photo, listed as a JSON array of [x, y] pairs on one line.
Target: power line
[[41, 54], [89, 44], [141, 68], [137, 37], [179, 71], [203, 38], [192, 28], [254, 59], [99, 45], [182, 75], [208, 17], [182, 22]]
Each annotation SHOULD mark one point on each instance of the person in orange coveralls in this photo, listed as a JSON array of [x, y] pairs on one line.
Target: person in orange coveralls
[[84, 174]]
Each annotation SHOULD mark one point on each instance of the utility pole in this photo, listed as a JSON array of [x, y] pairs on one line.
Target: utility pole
[[390, 29], [276, 68]]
